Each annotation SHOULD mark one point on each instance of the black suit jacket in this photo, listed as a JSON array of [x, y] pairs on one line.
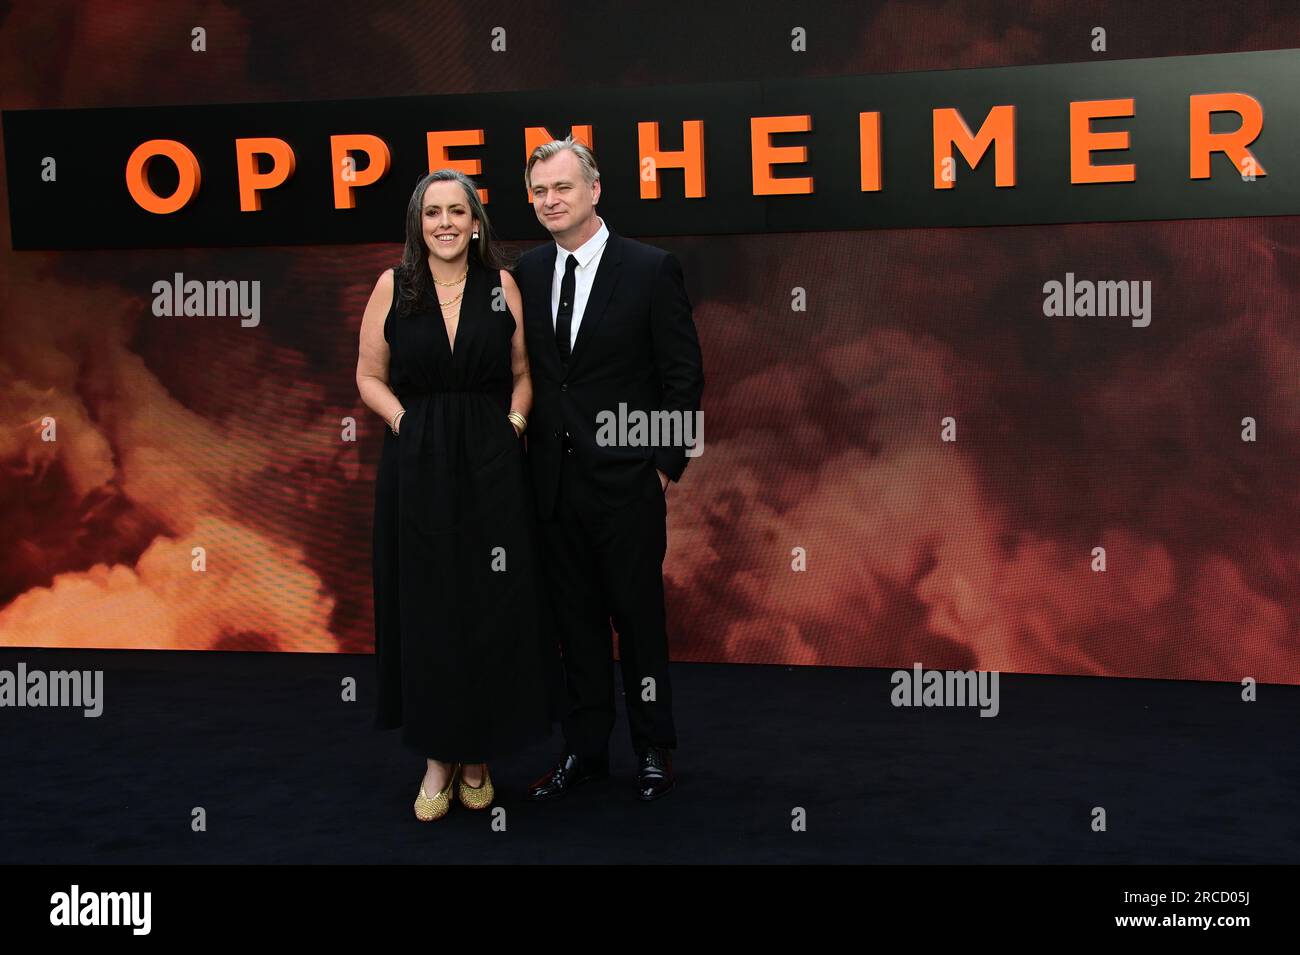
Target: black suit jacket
[[636, 346]]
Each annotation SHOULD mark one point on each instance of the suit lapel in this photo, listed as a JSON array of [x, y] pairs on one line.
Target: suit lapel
[[601, 289], [539, 307]]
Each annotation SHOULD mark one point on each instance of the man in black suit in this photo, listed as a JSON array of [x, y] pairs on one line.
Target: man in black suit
[[610, 335]]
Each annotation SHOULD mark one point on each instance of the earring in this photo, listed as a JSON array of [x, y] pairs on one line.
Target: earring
[[474, 236]]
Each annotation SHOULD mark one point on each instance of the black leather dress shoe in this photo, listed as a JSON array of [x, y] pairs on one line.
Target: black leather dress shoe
[[656, 775], [570, 771]]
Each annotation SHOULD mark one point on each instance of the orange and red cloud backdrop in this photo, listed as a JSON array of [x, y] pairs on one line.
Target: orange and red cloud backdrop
[[821, 426]]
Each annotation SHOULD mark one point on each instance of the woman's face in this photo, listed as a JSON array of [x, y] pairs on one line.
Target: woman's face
[[446, 220]]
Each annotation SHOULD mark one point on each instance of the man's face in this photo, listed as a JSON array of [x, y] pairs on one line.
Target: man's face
[[562, 199]]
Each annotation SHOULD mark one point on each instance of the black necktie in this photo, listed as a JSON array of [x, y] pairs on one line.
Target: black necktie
[[564, 314]]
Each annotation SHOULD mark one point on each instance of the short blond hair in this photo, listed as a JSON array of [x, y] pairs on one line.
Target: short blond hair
[[586, 158]]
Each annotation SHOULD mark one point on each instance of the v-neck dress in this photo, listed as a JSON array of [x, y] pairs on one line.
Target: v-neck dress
[[467, 663]]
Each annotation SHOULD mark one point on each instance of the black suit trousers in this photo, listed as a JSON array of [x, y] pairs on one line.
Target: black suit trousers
[[605, 563]]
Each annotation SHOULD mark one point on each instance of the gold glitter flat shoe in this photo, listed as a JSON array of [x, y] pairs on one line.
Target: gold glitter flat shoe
[[429, 808], [476, 797]]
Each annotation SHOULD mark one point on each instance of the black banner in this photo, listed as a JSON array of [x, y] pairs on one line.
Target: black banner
[[68, 170]]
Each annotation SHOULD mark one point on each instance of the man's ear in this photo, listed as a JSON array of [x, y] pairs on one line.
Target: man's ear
[[595, 192]]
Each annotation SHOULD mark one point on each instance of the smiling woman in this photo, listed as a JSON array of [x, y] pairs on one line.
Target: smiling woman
[[460, 643], [444, 218]]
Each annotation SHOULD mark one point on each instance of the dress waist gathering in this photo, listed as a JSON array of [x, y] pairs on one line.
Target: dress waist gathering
[[488, 388]]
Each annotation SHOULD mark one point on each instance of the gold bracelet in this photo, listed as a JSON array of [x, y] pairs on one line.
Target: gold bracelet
[[392, 422], [519, 420]]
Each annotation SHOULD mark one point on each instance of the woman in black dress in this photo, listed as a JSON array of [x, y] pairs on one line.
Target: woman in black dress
[[464, 665]]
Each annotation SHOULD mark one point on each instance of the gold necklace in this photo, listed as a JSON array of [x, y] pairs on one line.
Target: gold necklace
[[451, 284], [452, 302]]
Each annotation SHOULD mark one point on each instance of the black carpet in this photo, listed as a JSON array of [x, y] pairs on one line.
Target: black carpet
[[287, 772]]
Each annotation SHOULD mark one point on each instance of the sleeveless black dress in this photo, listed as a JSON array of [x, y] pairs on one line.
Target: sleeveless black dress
[[467, 662]]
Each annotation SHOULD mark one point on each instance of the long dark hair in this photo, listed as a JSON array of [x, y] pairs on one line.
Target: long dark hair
[[415, 257]]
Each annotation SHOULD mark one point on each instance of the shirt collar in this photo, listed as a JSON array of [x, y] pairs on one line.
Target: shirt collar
[[587, 251]]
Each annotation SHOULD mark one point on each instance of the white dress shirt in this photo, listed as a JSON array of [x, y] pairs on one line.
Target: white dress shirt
[[588, 255]]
